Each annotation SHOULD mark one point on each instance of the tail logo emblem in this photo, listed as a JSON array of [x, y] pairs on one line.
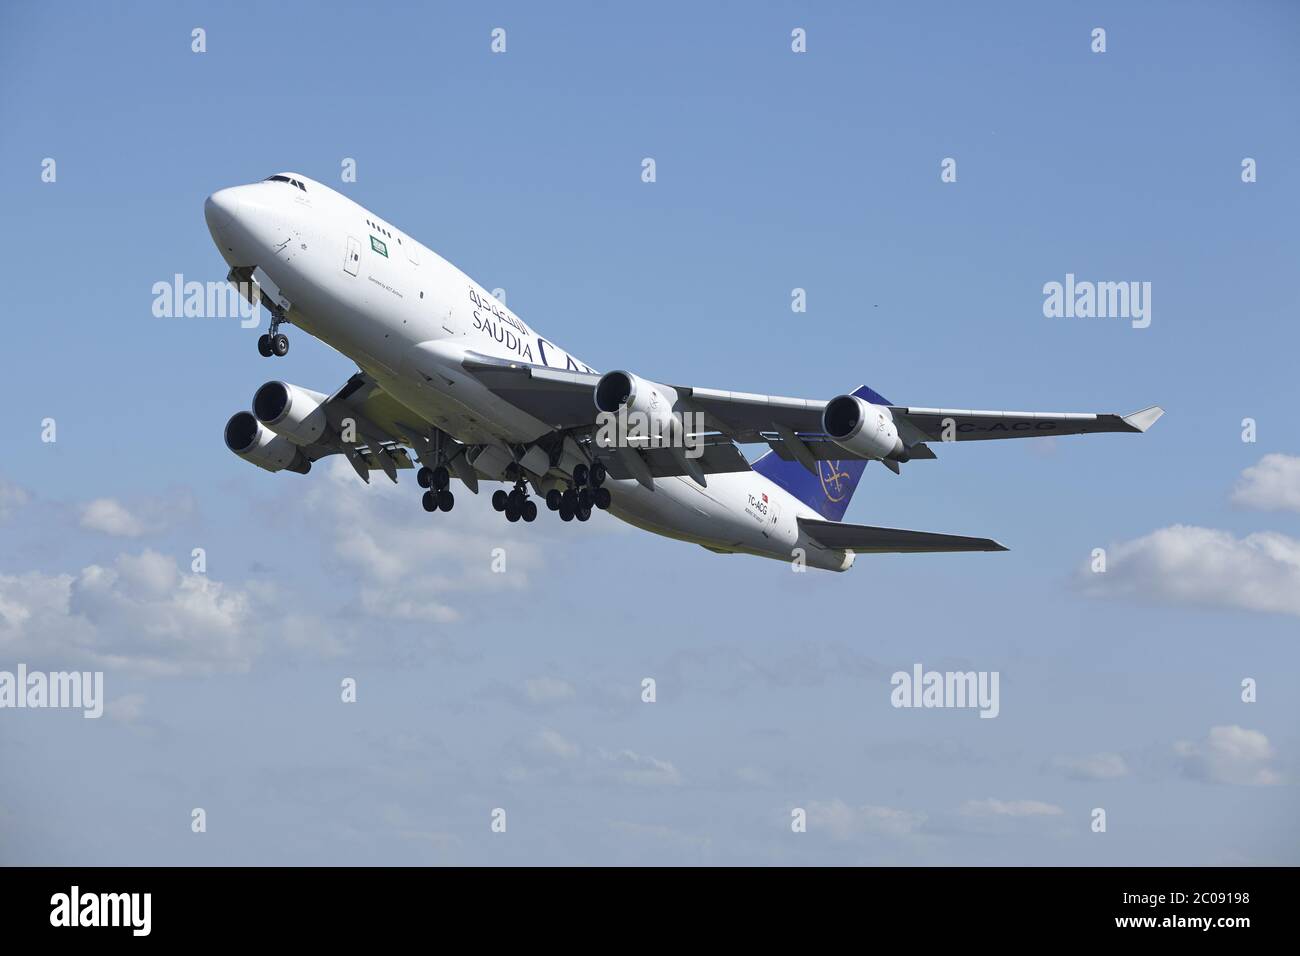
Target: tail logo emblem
[[833, 480]]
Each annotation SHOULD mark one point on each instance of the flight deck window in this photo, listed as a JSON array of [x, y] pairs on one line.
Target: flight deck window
[[285, 179]]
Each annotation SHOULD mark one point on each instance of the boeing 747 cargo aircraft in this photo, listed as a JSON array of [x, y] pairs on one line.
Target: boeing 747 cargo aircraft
[[451, 383]]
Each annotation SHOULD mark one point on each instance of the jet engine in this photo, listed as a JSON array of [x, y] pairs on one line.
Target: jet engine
[[863, 428], [250, 441], [638, 396], [292, 411]]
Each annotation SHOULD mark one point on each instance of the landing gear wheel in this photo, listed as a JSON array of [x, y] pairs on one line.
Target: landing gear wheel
[[500, 500], [582, 514], [441, 478], [445, 500], [584, 498], [580, 474], [424, 477], [553, 499], [513, 512], [517, 499], [566, 513], [530, 510], [430, 501], [601, 497], [280, 344], [597, 476], [264, 345], [569, 500]]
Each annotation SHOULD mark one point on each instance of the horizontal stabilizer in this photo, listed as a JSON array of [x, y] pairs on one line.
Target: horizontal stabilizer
[[864, 539]]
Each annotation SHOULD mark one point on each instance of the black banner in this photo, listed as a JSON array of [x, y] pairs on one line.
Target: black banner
[[336, 905]]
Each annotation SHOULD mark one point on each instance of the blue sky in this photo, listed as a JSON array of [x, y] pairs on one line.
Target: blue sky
[[775, 170]]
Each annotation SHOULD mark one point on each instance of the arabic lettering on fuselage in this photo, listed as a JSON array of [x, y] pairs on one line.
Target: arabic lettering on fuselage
[[503, 328]]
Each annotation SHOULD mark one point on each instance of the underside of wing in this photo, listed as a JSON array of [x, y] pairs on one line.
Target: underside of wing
[[369, 427], [561, 399], [664, 463], [792, 427], [865, 539], [744, 417], [963, 424]]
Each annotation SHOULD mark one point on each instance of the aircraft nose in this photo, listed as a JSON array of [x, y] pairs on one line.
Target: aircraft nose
[[220, 209]]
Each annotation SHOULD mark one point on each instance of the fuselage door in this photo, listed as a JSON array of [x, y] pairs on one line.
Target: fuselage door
[[353, 261]]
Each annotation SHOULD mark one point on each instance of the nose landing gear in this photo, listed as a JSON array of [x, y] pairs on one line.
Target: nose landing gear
[[274, 342]]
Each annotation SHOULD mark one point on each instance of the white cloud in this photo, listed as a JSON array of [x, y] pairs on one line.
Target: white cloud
[[145, 516], [552, 743], [1230, 754], [12, 497], [753, 776], [845, 822], [408, 561], [1102, 766], [549, 755], [641, 770], [126, 709], [110, 516], [548, 690], [1202, 566], [142, 614], [1009, 808], [1273, 484]]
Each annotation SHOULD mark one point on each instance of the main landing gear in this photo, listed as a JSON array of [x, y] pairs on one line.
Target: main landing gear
[[586, 493], [516, 504], [437, 480], [274, 342]]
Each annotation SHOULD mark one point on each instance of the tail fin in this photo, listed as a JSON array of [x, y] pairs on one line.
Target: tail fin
[[827, 492]]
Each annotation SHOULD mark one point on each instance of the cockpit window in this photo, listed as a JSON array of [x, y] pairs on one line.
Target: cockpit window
[[285, 179]]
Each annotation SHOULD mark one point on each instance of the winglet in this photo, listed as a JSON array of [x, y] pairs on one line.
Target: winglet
[[1144, 419]]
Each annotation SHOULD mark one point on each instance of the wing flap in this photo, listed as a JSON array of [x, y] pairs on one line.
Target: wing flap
[[561, 399], [865, 539], [823, 449], [663, 463]]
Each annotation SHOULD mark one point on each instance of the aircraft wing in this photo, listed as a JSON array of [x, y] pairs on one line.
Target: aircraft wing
[[377, 425], [967, 425], [560, 399], [864, 539], [792, 427]]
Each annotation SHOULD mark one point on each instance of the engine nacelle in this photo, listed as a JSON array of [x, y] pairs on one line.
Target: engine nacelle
[[637, 397], [863, 428], [292, 411], [250, 441]]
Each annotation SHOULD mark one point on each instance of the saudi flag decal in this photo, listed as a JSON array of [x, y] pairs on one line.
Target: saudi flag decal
[[379, 247]]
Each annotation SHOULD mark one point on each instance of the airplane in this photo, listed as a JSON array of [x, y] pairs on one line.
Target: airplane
[[452, 381]]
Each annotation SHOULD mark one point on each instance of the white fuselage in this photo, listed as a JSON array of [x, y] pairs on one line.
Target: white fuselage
[[408, 318]]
